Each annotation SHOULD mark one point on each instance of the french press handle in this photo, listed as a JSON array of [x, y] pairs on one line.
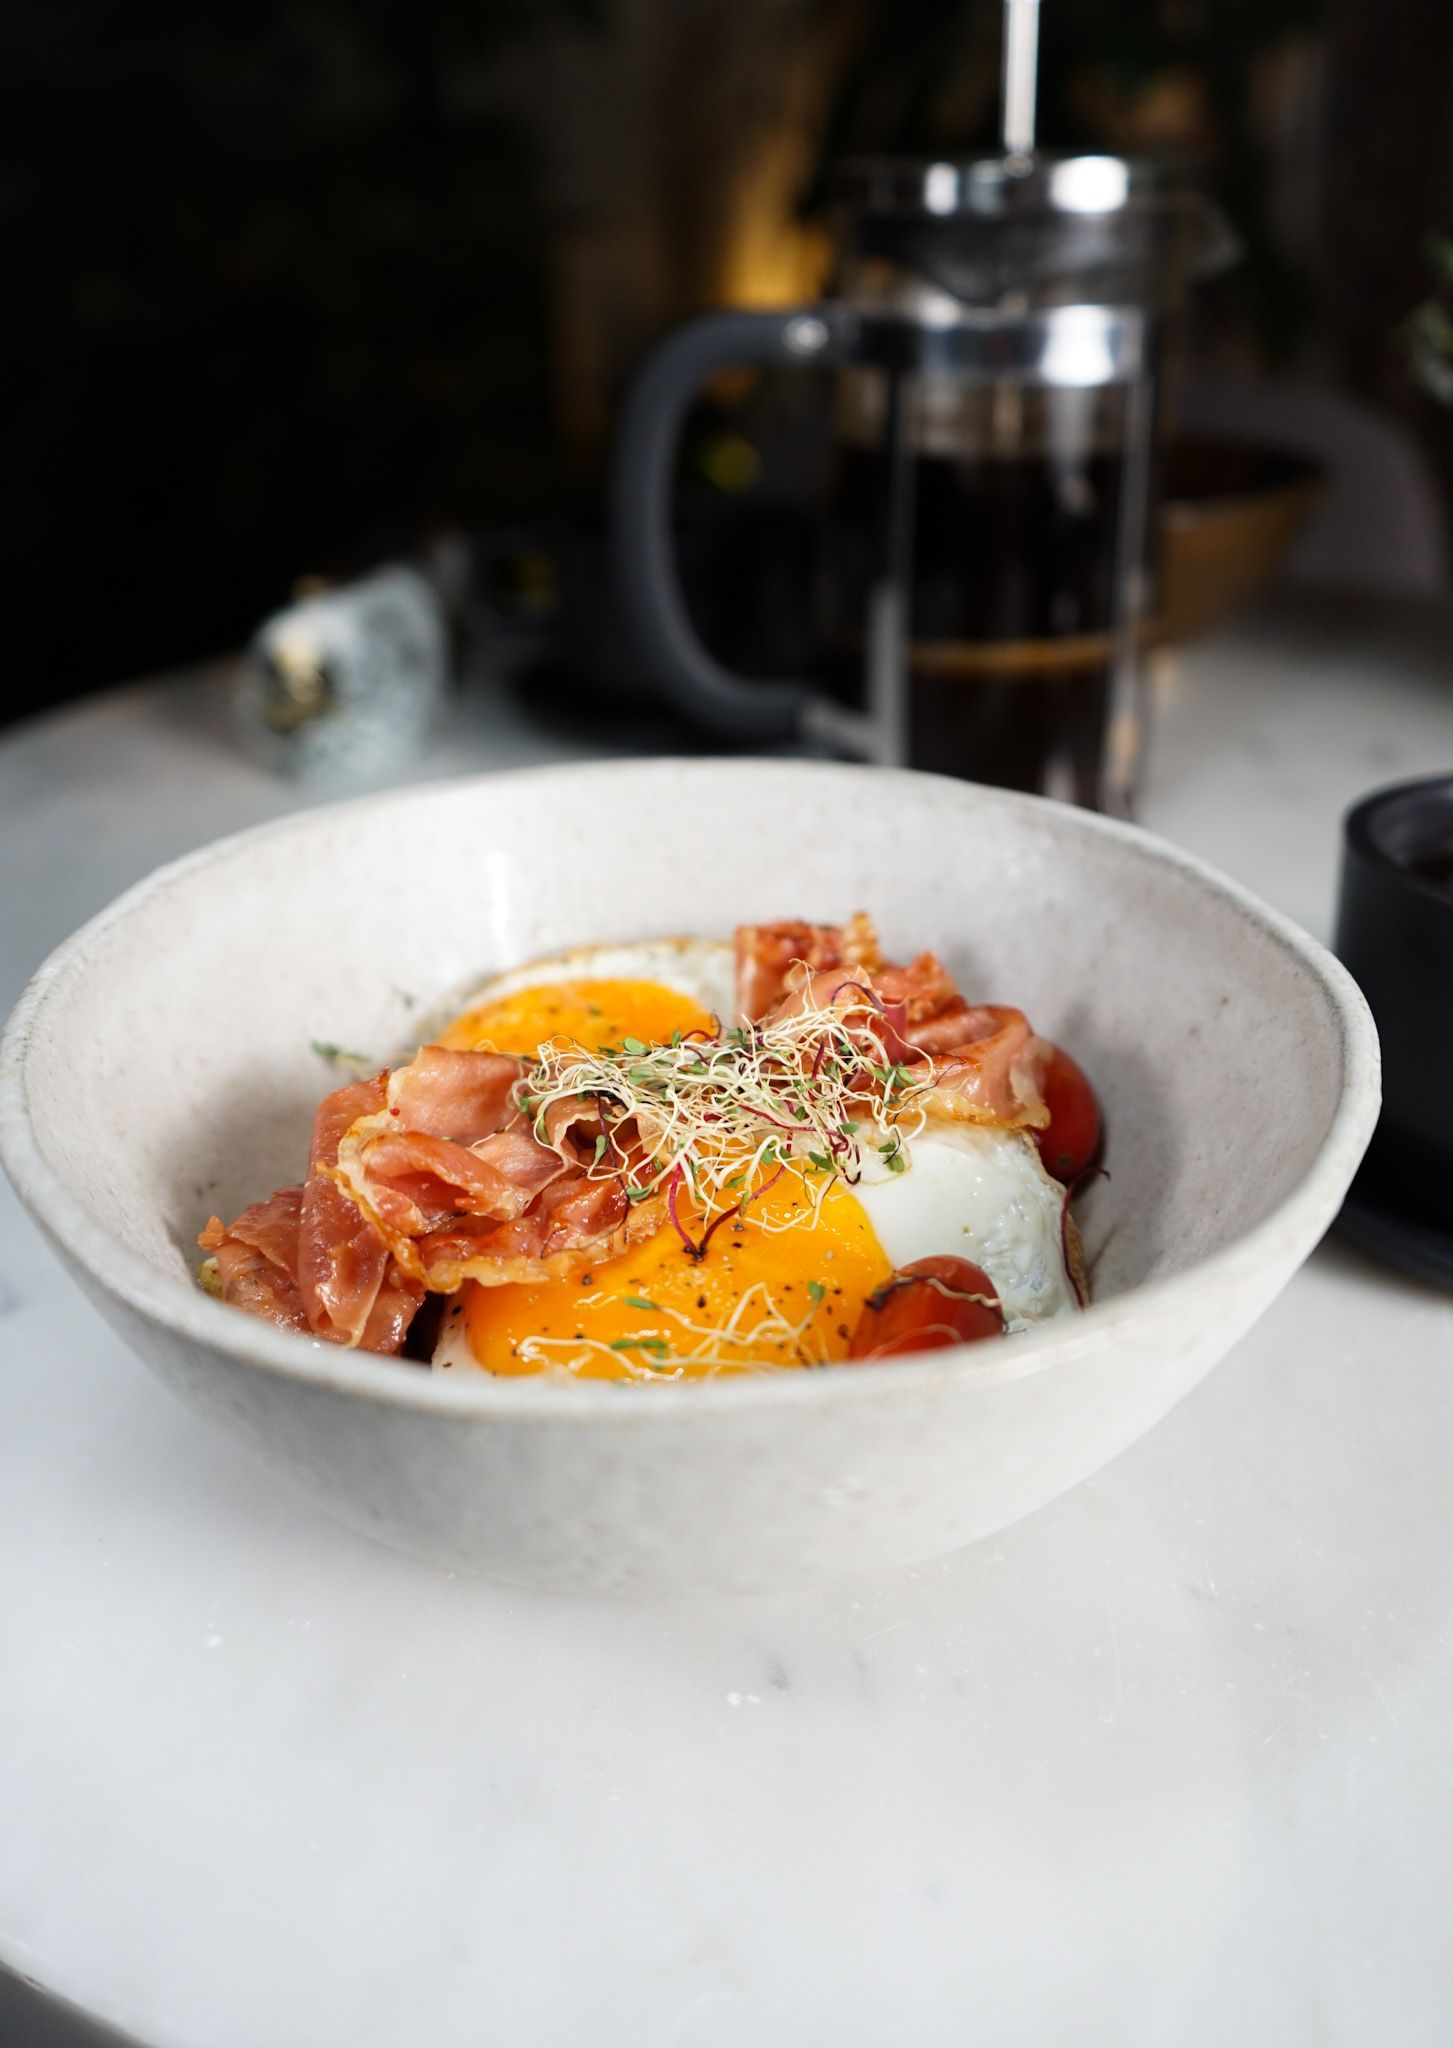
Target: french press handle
[[642, 470]]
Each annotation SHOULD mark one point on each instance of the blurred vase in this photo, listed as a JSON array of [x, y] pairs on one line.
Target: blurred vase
[[345, 686]]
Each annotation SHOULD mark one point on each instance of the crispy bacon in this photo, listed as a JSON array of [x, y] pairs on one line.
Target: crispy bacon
[[411, 1182], [307, 1260], [984, 1062], [464, 1096], [491, 1201], [444, 1137], [572, 1126], [991, 1071], [824, 988], [920, 1002], [574, 1221], [417, 1181], [352, 1290], [257, 1259], [987, 1063], [766, 952]]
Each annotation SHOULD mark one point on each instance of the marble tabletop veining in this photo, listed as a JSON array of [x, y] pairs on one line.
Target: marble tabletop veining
[[1167, 1762]]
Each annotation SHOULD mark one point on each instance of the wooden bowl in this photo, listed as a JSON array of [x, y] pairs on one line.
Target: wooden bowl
[[1230, 511]]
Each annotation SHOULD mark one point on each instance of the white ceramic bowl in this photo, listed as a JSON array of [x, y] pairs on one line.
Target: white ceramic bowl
[[159, 1067]]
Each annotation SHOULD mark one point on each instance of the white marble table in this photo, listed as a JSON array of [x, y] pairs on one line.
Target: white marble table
[[1168, 1762]]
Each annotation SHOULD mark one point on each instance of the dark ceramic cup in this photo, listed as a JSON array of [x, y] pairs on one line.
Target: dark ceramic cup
[[1395, 934]]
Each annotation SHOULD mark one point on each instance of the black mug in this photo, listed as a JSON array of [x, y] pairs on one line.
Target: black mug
[[1395, 935]]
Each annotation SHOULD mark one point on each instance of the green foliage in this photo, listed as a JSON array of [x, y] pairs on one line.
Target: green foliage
[[1429, 332]]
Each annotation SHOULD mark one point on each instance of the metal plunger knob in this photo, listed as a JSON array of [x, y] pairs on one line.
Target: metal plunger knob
[[1021, 64]]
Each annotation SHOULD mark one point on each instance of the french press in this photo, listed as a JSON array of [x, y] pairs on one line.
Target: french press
[[995, 330]]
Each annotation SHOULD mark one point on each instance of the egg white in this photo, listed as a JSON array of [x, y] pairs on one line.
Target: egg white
[[976, 1192], [452, 1348]]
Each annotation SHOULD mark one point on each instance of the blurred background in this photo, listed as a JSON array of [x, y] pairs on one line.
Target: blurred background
[[298, 288]]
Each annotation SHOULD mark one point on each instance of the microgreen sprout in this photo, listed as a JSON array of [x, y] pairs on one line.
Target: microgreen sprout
[[891, 1153], [357, 1063], [657, 1346], [717, 1116], [756, 1327]]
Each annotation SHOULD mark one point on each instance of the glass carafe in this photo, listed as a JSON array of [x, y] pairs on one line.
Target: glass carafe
[[996, 330]]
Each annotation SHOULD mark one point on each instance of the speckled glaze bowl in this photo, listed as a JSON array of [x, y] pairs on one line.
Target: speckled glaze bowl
[[159, 1067]]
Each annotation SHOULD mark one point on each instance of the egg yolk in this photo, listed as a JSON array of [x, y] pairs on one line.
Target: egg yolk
[[591, 1012], [764, 1294]]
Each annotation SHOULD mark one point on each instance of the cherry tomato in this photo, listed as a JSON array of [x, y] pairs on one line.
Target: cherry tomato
[[926, 1307], [1070, 1141]]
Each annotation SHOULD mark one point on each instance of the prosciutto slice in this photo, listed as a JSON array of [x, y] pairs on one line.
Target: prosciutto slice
[[990, 1072], [257, 1259], [767, 953], [983, 1063], [417, 1181], [409, 1182], [462, 1096], [987, 1062], [352, 1289], [307, 1260], [576, 1220], [456, 1182]]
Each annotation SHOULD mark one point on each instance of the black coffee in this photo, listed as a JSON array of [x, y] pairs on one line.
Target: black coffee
[[1013, 600]]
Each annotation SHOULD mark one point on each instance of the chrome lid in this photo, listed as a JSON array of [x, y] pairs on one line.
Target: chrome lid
[[997, 187], [1000, 231]]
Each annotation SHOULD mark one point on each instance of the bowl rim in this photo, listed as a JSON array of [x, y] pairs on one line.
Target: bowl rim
[[181, 1308]]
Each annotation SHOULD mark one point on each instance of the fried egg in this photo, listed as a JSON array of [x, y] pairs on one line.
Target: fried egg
[[601, 995], [781, 1285], [980, 1193]]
